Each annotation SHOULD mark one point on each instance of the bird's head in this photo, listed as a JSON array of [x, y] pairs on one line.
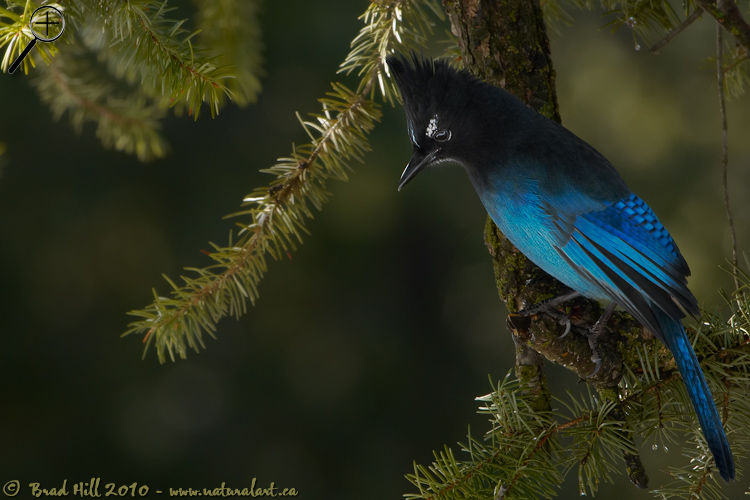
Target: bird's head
[[426, 87], [446, 112]]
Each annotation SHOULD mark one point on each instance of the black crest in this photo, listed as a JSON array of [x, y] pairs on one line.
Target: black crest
[[428, 86]]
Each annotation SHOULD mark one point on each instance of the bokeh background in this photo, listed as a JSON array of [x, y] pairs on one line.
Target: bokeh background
[[366, 350]]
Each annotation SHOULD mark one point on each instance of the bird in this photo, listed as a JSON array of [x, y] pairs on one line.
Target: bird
[[562, 204]]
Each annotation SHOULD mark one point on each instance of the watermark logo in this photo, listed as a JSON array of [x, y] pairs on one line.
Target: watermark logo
[[47, 25]]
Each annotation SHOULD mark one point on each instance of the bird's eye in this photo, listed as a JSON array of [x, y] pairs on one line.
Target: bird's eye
[[442, 135]]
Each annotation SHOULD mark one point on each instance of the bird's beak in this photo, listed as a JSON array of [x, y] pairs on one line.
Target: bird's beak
[[418, 161]]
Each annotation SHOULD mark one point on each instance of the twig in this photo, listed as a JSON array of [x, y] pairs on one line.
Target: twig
[[728, 15], [725, 149], [736, 63], [656, 49]]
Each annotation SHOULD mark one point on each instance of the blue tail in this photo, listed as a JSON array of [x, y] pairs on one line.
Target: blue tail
[[674, 336]]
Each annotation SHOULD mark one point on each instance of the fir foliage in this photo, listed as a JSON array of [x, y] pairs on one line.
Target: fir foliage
[[736, 69], [527, 454], [649, 21], [138, 42], [232, 31], [125, 119], [274, 223], [137, 62]]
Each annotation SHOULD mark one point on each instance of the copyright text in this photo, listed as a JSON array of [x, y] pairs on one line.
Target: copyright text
[[95, 488]]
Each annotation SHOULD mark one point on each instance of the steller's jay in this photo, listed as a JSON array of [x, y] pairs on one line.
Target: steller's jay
[[563, 205]]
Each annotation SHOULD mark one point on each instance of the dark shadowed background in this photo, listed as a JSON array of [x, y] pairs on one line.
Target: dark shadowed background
[[367, 348]]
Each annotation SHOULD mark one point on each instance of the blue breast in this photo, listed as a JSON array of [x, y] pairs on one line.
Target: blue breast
[[523, 217]]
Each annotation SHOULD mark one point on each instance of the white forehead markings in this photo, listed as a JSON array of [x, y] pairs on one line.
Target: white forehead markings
[[432, 126]]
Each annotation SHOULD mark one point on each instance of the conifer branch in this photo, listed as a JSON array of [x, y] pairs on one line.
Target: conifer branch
[[279, 211], [728, 15], [139, 43], [647, 19], [735, 69], [522, 455], [136, 63], [656, 48], [126, 119], [643, 17], [232, 31]]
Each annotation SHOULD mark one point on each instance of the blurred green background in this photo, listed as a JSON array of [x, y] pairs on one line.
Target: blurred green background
[[367, 348]]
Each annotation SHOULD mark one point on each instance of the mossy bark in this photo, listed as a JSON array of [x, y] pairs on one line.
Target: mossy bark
[[728, 15], [505, 43]]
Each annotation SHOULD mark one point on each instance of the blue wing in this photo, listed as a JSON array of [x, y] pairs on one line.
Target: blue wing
[[604, 244], [626, 250]]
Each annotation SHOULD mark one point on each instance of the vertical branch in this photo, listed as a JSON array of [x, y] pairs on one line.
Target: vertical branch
[[725, 148], [486, 30], [505, 43]]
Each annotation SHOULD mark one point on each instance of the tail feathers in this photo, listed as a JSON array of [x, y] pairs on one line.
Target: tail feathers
[[676, 340]]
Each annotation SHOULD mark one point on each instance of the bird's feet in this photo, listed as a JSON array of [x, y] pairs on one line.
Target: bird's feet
[[594, 333], [548, 307], [596, 356]]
